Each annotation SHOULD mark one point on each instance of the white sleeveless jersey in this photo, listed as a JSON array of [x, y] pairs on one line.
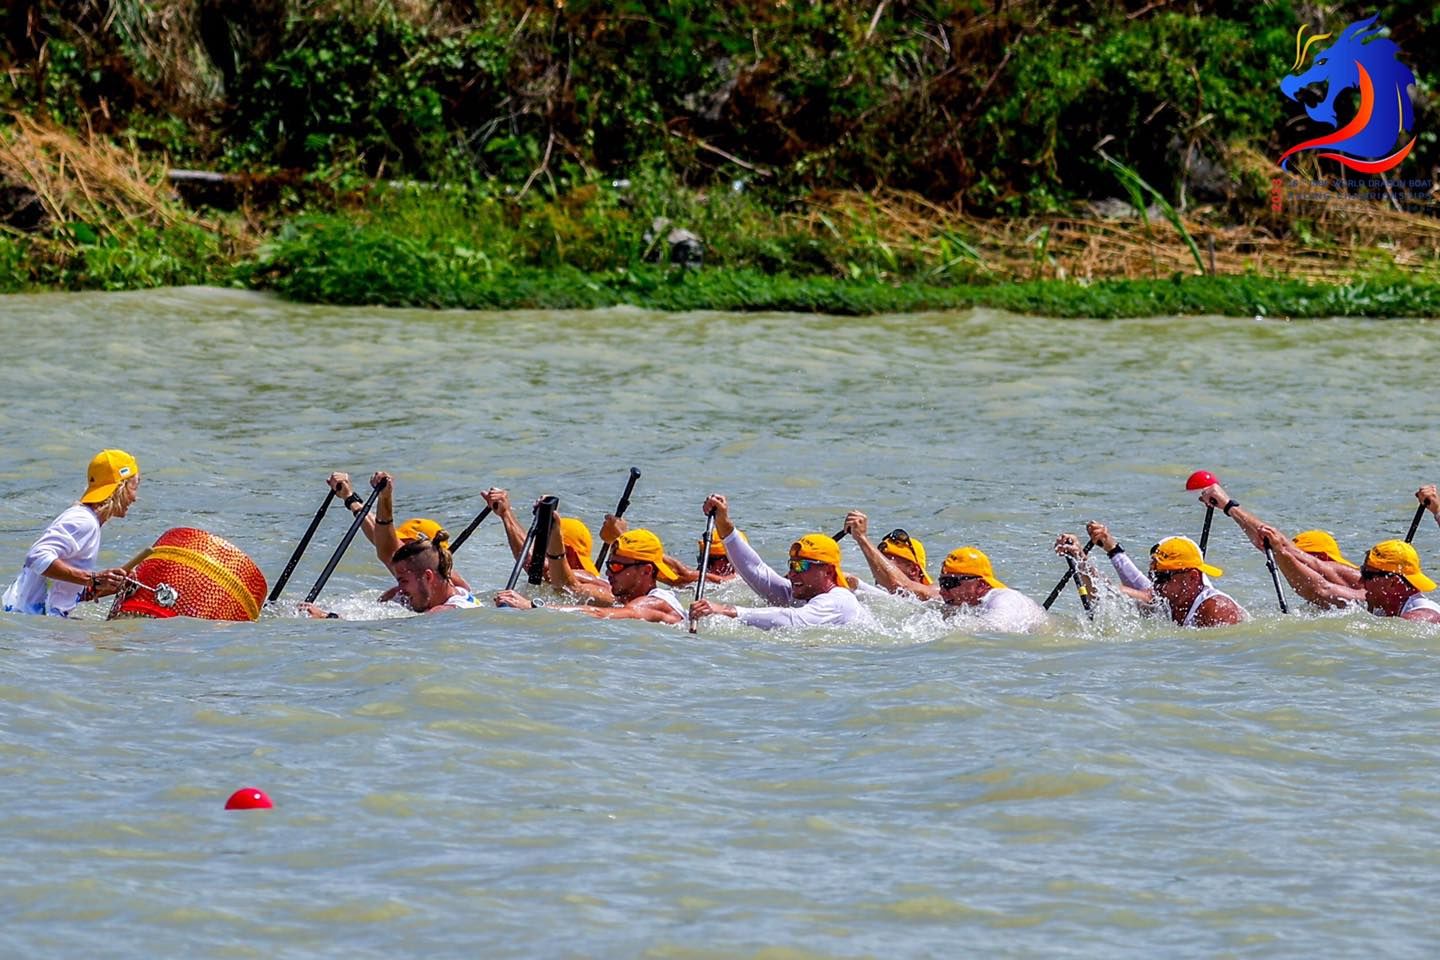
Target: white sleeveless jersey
[[1419, 601], [1205, 594]]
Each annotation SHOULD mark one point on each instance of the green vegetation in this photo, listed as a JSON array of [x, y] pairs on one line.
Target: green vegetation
[[436, 249], [325, 275], [903, 154]]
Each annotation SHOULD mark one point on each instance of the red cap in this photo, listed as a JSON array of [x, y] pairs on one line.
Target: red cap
[[248, 798], [1201, 479]]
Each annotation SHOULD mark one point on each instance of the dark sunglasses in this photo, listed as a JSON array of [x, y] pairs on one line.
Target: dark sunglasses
[[1371, 574], [802, 566], [897, 536], [949, 581]]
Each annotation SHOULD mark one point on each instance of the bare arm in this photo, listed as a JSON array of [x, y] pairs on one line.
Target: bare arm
[[684, 573], [648, 609], [1068, 545], [498, 501], [1421, 616], [887, 574], [386, 542], [562, 576], [1335, 572], [340, 483], [1215, 496], [1430, 498], [97, 583], [1309, 576]]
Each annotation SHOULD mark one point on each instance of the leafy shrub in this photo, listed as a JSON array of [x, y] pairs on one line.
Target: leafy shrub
[[1141, 88]]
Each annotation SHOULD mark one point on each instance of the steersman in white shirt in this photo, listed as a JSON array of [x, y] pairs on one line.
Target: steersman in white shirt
[[813, 592], [59, 569]]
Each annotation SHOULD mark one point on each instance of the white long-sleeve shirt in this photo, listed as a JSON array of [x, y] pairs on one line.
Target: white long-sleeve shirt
[[1130, 574], [74, 537], [832, 609]]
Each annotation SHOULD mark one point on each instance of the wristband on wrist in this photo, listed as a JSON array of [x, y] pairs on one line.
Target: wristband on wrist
[[556, 556], [1230, 506], [537, 602], [332, 615], [353, 500], [1119, 548], [384, 523]]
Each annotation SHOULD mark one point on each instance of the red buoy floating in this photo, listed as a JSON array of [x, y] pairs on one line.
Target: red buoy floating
[[248, 798], [1201, 479]]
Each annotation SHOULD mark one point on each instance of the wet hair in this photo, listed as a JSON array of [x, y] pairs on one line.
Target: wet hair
[[427, 554]]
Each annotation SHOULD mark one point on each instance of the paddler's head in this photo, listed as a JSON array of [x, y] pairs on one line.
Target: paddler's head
[[576, 538], [1391, 575], [636, 561], [966, 576], [719, 560], [1178, 570], [422, 571], [814, 566], [417, 527], [112, 483], [1321, 545], [907, 553]]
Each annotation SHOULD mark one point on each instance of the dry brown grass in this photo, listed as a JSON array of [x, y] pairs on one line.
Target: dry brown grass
[[93, 181], [1360, 233]]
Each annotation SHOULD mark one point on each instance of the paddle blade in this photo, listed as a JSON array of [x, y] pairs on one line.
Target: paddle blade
[[1201, 479]]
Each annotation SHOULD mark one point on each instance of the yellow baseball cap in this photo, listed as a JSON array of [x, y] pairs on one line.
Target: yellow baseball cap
[[970, 562], [908, 549], [575, 535], [417, 527], [644, 545], [1318, 541], [108, 470], [1397, 556], [1180, 553], [717, 545], [821, 549]]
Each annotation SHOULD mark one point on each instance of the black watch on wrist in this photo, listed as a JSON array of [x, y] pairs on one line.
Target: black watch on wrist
[[1117, 549], [1230, 506], [353, 499]]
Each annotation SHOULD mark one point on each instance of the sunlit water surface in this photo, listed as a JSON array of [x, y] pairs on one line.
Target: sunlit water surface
[[535, 784]]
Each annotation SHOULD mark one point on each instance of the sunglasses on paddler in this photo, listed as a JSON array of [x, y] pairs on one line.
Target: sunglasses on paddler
[[615, 566], [949, 581], [897, 536], [802, 566], [1370, 573]]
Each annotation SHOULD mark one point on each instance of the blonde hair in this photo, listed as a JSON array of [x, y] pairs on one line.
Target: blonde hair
[[111, 505]]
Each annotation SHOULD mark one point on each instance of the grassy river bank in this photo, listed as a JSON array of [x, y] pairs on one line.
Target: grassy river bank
[[601, 245], [817, 157]]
